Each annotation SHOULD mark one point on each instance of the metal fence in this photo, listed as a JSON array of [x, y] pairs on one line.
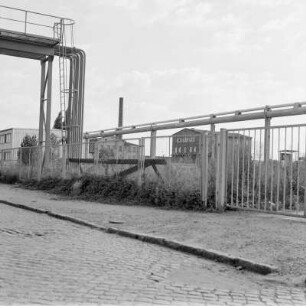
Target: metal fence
[[267, 169], [263, 169]]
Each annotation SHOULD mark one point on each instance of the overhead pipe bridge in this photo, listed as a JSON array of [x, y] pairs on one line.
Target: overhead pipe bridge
[[41, 37]]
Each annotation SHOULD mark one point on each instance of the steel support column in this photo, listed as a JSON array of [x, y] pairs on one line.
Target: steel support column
[[45, 113]]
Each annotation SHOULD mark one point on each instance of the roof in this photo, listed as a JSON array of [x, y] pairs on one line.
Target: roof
[[198, 131]]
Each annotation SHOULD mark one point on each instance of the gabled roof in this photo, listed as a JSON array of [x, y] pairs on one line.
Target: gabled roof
[[198, 131]]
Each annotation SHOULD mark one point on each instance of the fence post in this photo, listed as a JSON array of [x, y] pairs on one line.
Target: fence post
[[304, 208], [1, 161], [63, 160], [221, 170], [153, 144], [204, 167], [141, 161], [20, 162]]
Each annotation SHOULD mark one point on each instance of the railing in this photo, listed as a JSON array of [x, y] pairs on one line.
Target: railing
[[30, 22]]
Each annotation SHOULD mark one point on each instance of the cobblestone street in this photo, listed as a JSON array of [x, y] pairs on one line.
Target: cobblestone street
[[48, 261]]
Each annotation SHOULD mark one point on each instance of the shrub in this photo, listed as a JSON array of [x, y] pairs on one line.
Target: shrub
[[9, 178], [114, 189]]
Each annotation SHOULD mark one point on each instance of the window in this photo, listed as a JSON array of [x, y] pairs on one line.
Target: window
[[7, 155], [2, 138], [120, 148], [179, 149], [175, 150], [190, 149], [194, 149], [8, 138]]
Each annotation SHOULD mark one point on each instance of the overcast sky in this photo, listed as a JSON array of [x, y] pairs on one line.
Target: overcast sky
[[168, 59]]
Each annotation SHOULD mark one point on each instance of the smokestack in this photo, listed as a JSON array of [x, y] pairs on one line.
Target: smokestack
[[120, 119]]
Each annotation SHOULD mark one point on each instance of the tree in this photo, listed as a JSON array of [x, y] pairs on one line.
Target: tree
[[28, 151], [58, 121]]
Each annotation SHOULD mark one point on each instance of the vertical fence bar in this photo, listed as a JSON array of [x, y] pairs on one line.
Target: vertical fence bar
[[249, 156], [243, 170], [272, 169], [254, 171], [141, 160], [259, 170], [20, 162], [278, 171], [238, 169], [232, 165], [285, 171], [291, 170], [64, 160], [204, 166], [297, 208], [1, 160], [169, 161]]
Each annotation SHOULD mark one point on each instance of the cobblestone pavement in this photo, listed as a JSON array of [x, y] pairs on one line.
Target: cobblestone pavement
[[48, 261]]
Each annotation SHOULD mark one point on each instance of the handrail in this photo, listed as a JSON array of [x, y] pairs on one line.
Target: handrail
[[37, 13], [27, 14]]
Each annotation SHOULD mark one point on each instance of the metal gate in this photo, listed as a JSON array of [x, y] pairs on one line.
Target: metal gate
[[266, 169]]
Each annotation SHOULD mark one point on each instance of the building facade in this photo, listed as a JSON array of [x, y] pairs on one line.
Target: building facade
[[186, 142], [113, 148], [11, 139]]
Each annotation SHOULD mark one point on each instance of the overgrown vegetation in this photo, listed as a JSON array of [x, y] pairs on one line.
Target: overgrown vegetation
[[118, 190]]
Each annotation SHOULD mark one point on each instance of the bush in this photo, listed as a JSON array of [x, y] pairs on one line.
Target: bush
[[118, 190], [9, 178]]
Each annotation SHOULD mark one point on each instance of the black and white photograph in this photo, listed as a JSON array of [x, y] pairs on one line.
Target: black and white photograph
[[153, 152]]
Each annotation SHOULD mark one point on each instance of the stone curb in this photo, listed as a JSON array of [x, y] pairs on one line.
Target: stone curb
[[207, 254]]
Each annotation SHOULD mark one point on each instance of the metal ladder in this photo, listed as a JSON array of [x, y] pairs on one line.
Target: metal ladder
[[59, 32]]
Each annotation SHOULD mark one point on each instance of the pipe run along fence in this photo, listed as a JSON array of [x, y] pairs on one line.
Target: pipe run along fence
[[261, 169]]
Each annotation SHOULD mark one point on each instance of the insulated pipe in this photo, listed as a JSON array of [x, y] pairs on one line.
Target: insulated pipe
[[75, 109], [293, 111], [202, 117]]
